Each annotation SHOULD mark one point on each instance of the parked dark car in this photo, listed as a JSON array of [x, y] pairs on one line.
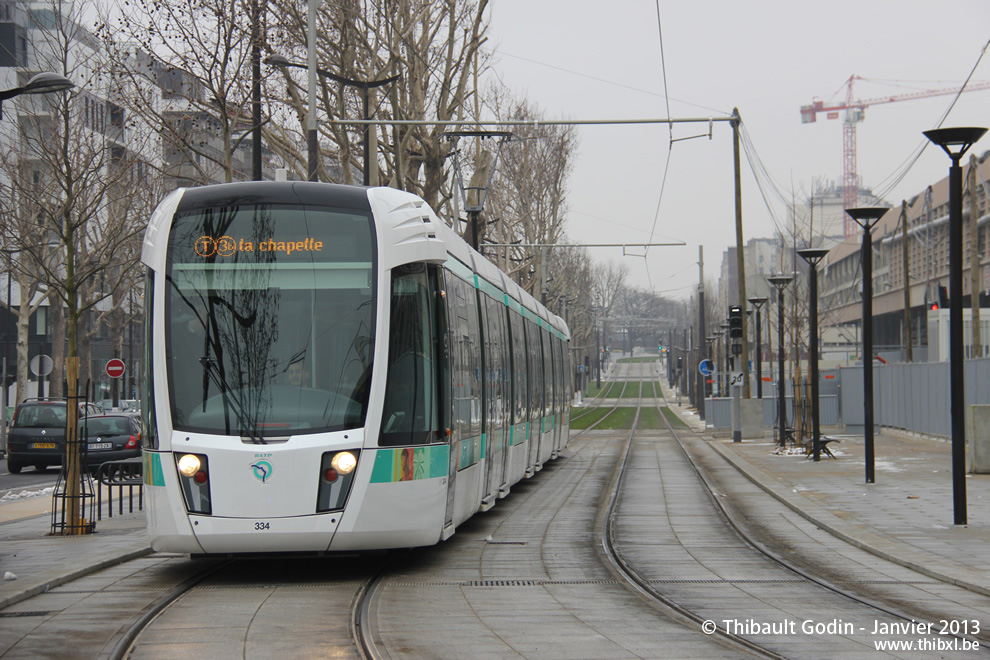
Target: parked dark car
[[110, 437], [37, 433]]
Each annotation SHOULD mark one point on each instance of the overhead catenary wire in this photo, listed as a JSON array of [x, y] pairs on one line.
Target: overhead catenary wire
[[764, 180], [670, 148], [898, 175]]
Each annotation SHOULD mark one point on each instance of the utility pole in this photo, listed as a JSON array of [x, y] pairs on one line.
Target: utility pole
[[740, 256], [256, 170], [908, 339], [974, 260], [702, 389]]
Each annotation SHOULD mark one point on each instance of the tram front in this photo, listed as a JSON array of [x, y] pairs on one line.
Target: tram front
[[260, 317]]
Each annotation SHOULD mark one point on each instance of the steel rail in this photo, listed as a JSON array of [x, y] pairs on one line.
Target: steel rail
[[124, 646], [605, 522], [743, 533]]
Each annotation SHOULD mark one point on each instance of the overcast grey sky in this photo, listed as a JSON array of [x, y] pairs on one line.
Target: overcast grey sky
[[579, 59]]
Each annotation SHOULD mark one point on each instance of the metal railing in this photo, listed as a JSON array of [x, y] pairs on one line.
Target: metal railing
[[120, 475]]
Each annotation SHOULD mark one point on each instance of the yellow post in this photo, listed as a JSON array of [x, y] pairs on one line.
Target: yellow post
[[73, 471]]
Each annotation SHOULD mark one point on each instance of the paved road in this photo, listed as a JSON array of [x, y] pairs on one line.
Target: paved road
[[28, 479]]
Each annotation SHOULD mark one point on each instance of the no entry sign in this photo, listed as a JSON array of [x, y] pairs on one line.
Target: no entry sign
[[115, 368]]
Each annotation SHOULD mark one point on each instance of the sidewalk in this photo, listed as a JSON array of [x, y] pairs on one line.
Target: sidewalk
[[905, 516], [41, 561]]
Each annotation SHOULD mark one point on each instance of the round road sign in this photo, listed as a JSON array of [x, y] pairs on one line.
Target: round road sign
[[41, 365], [115, 368]]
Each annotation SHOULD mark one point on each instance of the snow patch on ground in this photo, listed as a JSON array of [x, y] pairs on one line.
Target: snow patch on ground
[[26, 494]]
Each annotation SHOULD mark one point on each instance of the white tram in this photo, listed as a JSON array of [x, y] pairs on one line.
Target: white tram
[[331, 368]]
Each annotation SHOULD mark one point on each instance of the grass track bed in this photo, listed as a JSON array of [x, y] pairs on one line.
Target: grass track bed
[[582, 418], [674, 420], [621, 418]]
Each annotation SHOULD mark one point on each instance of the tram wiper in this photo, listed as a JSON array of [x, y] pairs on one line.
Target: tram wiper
[[231, 403]]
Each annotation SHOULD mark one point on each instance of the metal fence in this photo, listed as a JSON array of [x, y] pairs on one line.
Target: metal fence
[[718, 411], [913, 397]]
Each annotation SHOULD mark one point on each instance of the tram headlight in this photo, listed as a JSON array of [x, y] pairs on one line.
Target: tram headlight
[[337, 469], [194, 480], [343, 462], [189, 465]]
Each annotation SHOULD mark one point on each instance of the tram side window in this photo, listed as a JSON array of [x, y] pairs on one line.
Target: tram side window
[[518, 368], [497, 367], [410, 410], [536, 404], [149, 423], [548, 409], [565, 374], [465, 353]]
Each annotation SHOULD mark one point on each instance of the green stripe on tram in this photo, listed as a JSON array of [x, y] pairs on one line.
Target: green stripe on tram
[[458, 268], [153, 474], [410, 463]]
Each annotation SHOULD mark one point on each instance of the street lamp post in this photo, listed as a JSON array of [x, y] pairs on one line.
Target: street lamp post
[[364, 85], [962, 139], [709, 391], [758, 303], [724, 386], [256, 170], [780, 283], [867, 218], [312, 137], [813, 256], [40, 83]]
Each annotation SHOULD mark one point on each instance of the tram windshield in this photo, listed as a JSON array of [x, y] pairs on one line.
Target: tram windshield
[[270, 319]]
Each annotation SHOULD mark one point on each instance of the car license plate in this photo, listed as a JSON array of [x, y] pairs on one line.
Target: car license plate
[[100, 445], [43, 445]]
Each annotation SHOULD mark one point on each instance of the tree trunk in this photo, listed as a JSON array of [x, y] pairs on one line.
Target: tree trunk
[[57, 319]]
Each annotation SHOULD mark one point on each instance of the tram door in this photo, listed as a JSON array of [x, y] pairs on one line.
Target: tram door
[[534, 358], [496, 395]]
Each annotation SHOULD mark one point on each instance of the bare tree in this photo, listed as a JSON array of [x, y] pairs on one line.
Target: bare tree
[[528, 196], [86, 190], [434, 47], [188, 66], [608, 281], [19, 227]]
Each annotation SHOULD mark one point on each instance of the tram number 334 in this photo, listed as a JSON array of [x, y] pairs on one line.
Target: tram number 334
[[262, 526]]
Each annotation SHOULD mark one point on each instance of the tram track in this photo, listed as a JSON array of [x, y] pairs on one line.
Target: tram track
[[605, 525], [125, 644], [742, 530], [353, 614], [646, 587]]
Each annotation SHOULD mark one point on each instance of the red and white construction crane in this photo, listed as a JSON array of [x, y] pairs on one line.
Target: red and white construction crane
[[855, 110]]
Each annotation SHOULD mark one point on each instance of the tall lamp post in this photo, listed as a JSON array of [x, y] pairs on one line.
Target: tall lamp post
[[961, 139], [364, 85], [724, 386], [867, 218], [780, 283], [40, 83], [813, 256], [758, 303], [708, 379]]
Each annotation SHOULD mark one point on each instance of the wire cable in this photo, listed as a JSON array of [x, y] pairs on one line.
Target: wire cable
[[898, 175], [610, 82]]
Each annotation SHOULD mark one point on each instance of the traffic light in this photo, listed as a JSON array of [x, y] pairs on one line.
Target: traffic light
[[735, 322], [943, 296], [680, 363]]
